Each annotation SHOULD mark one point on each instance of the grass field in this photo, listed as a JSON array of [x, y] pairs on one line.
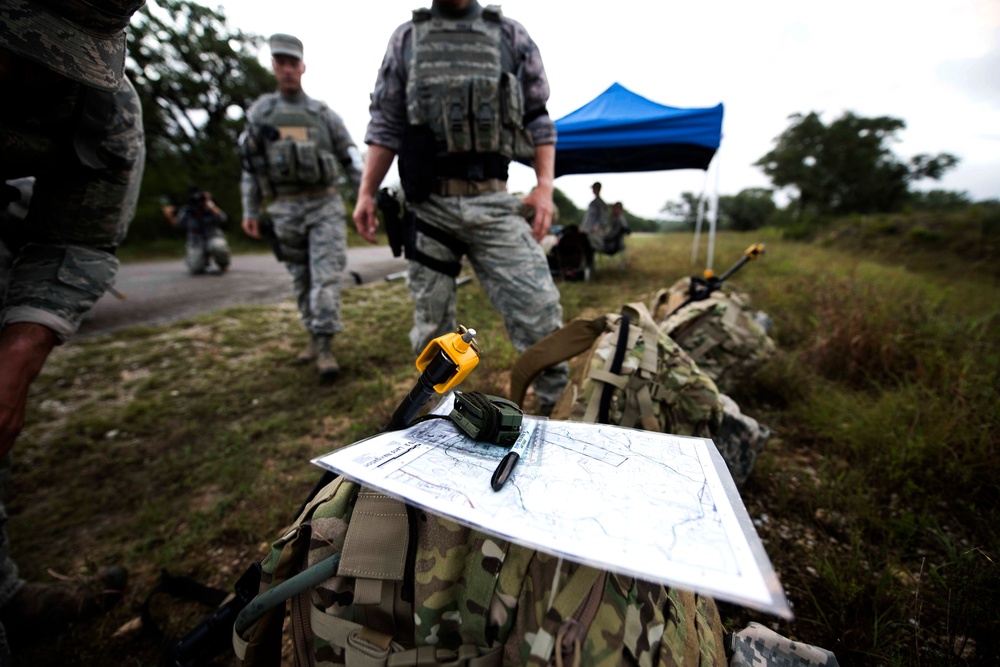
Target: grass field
[[186, 446]]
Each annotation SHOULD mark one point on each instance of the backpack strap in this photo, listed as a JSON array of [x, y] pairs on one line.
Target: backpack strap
[[635, 322], [560, 345], [260, 644], [375, 550]]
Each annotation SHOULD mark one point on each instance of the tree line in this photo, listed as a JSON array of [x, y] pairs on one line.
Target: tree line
[[829, 170]]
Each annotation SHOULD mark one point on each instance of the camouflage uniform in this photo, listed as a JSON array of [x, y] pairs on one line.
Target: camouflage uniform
[[205, 241], [84, 196], [71, 158], [594, 222], [510, 265], [758, 646], [309, 221]]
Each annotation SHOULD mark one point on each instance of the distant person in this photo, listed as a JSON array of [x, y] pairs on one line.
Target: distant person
[[595, 219], [571, 256], [453, 160], [202, 219], [617, 230], [294, 151], [71, 159]]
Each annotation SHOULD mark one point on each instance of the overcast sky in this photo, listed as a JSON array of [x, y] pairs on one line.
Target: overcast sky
[[933, 63]]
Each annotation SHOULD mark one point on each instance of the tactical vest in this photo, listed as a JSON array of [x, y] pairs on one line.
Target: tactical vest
[[300, 152], [457, 87]]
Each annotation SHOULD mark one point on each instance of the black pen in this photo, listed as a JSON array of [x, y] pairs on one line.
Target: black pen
[[511, 458]]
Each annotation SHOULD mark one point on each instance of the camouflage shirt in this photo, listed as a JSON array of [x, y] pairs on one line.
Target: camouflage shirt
[[344, 148], [86, 151], [388, 105]]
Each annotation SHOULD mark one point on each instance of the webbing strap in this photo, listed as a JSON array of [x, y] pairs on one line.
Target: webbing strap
[[568, 602], [365, 647], [560, 345], [711, 341], [376, 541], [601, 375]]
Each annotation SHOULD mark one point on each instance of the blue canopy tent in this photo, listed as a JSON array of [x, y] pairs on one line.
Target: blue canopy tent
[[622, 131]]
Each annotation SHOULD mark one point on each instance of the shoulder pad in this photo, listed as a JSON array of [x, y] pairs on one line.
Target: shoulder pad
[[493, 13], [422, 14], [264, 105], [315, 106]]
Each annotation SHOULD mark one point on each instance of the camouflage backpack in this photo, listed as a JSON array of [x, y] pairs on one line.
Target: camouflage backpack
[[720, 332], [415, 589], [636, 376]]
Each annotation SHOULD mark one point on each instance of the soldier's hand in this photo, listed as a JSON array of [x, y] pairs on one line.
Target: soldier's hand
[[364, 218], [251, 227], [540, 199], [24, 346]]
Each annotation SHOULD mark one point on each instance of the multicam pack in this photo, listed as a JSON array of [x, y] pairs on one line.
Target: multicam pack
[[656, 387], [719, 333], [415, 589], [636, 376]]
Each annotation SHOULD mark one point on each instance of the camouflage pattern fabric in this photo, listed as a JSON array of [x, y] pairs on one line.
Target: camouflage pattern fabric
[[202, 249], [84, 196], [10, 580], [685, 401], [719, 333], [471, 590], [344, 149], [82, 41], [388, 101], [740, 439], [758, 646], [511, 268], [313, 236]]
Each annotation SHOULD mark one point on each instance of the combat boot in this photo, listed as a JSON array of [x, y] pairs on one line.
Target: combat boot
[[325, 363], [309, 354], [40, 610]]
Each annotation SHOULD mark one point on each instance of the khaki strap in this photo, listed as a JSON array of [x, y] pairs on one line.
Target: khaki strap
[[457, 187], [645, 401], [650, 335], [601, 375], [565, 343], [568, 602], [710, 342], [594, 406], [376, 542], [467, 655]]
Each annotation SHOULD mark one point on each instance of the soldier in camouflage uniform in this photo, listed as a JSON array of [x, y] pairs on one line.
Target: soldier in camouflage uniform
[[481, 71], [294, 151], [72, 122]]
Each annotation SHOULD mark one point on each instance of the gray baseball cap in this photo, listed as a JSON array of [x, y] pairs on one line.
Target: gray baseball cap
[[285, 45], [84, 40]]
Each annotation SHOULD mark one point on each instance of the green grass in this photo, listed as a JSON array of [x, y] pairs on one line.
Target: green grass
[[186, 446]]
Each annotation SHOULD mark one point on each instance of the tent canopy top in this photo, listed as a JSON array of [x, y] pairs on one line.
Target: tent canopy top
[[622, 131]]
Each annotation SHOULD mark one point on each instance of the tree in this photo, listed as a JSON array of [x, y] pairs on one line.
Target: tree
[[684, 211], [847, 166], [569, 214], [750, 209], [196, 76]]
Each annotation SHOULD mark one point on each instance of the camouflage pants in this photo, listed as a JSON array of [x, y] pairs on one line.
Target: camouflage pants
[[313, 236], [202, 249], [510, 265], [10, 580]]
